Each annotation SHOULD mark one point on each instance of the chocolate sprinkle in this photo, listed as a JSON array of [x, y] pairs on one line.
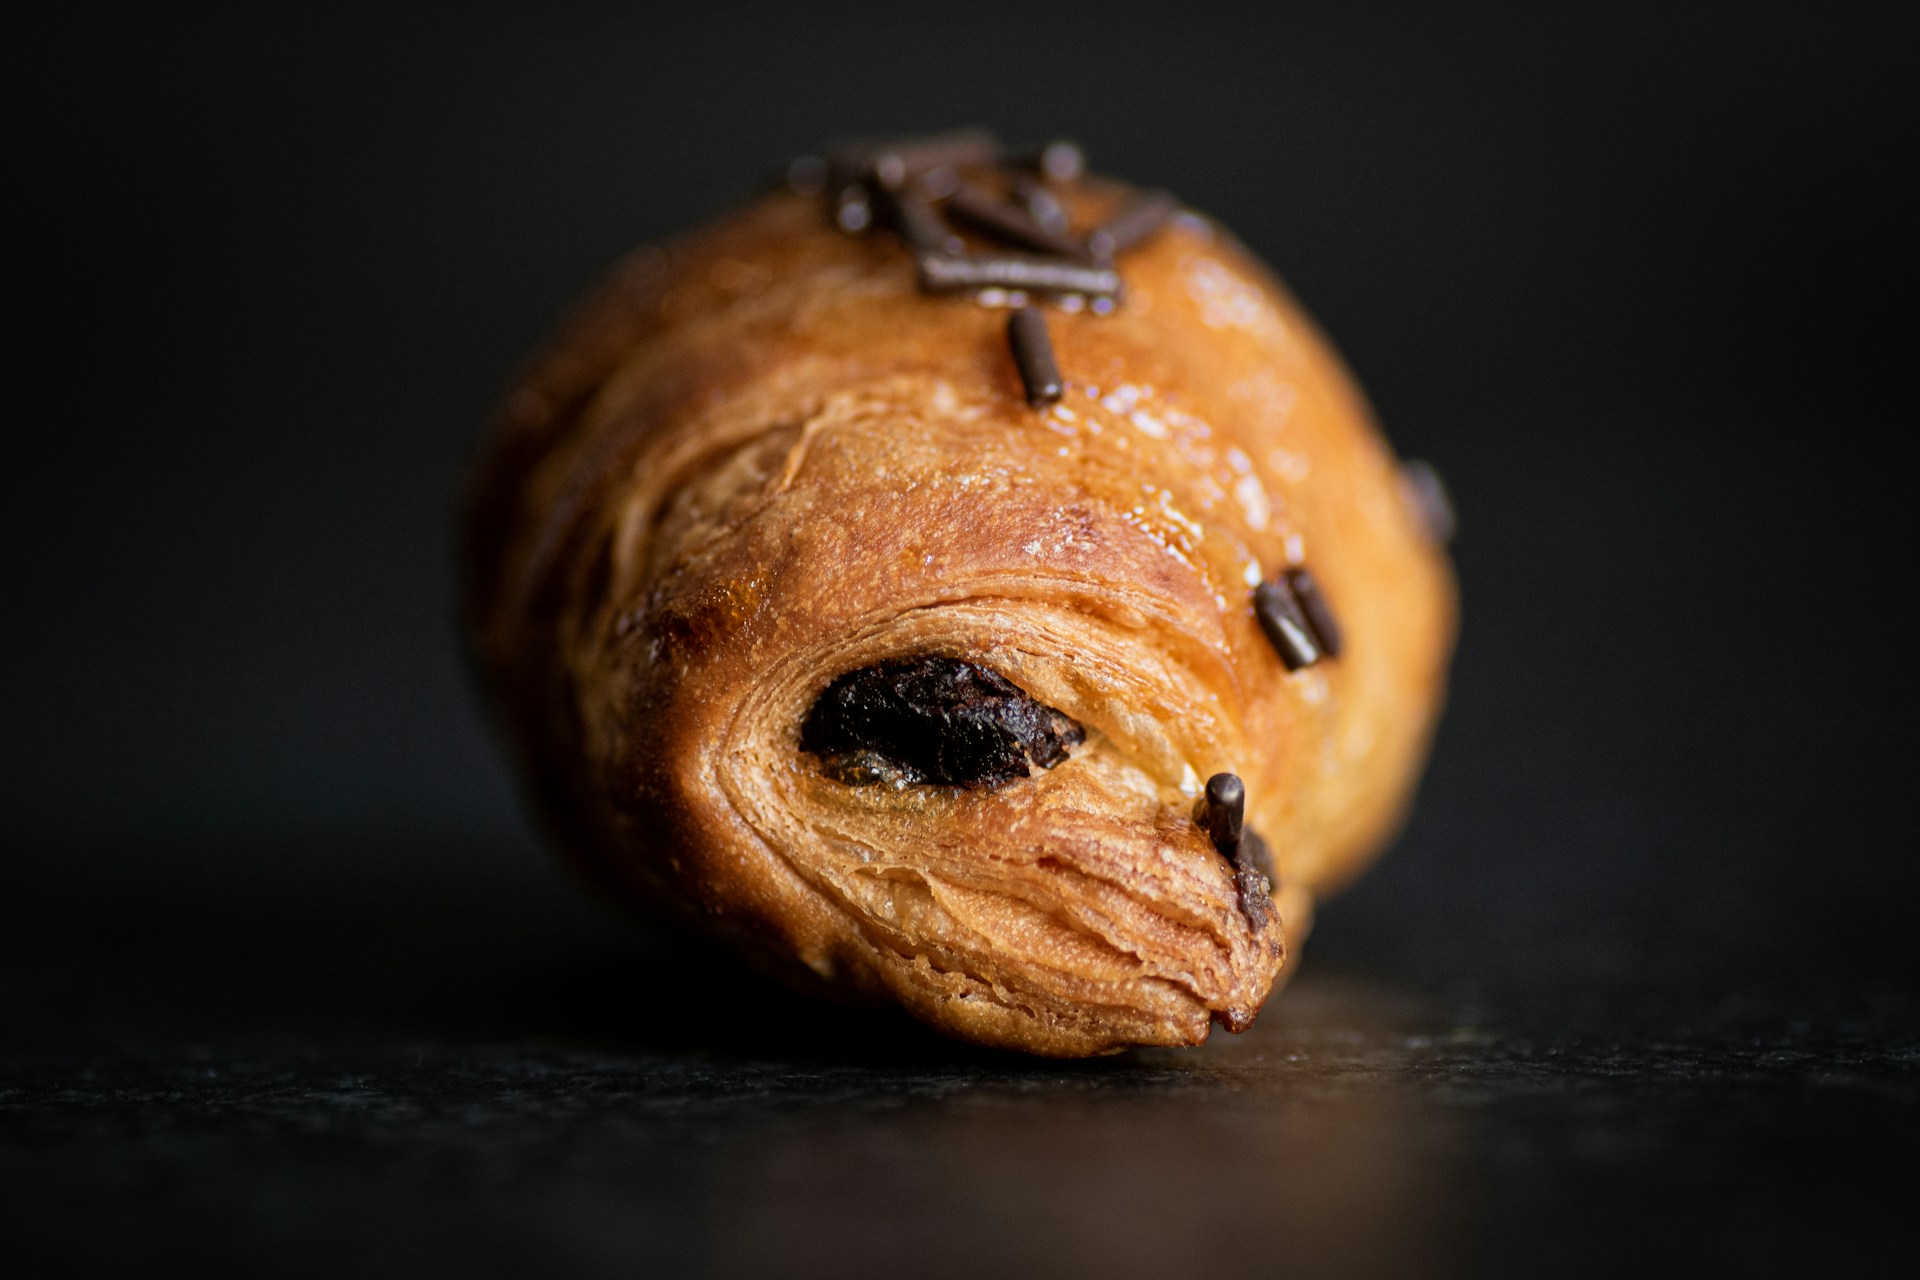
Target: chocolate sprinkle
[[938, 184], [949, 273], [918, 224], [1226, 811], [933, 720], [892, 163], [1287, 628], [853, 213], [920, 186], [1223, 812], [1058, 161], [1033, 352], [1314, 605], [1138, 221], [1010, 222], [1427, 493], [1043, 207]]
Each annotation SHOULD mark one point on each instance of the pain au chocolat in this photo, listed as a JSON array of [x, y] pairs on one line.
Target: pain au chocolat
[[956, 580]]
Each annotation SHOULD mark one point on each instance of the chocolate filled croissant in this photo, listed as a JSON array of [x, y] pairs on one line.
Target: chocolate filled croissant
[[962, 582]]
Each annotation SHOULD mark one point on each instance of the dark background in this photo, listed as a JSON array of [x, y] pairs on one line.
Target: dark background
[[288, 985]]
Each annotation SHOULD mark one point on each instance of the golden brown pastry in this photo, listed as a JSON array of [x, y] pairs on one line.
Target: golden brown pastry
[[823, 618]]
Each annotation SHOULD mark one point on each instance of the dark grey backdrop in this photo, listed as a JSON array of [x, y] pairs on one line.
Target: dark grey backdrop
[[1638, 281], [1632, 281]]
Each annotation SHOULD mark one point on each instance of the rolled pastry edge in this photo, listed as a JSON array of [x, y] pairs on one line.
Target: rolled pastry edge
[[705, 489]]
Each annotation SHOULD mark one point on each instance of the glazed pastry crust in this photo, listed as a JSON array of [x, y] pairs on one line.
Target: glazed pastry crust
[[759, 458]]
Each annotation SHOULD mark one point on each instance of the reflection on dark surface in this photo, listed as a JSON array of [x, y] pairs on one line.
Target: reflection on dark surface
[[1243, 1160], [463, 1066]]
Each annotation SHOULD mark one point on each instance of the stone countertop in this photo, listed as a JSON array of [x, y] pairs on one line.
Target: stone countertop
[[347, 1069]]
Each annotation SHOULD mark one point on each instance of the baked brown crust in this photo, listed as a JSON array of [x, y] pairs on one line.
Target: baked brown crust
[[759, 458]]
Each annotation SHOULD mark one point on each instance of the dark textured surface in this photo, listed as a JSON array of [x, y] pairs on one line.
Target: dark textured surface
[[286, 988], [465, 1070]]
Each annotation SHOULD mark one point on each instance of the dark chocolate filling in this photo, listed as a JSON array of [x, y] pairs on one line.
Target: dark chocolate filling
[[933, 720], [1253, 876]]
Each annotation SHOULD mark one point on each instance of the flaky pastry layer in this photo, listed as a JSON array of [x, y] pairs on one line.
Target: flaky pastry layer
[[759, 458]]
